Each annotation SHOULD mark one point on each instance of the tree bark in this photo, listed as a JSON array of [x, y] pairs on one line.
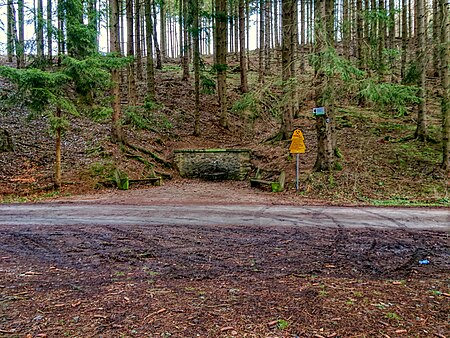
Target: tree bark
[[184, 40], [58, 181], [221, 59], [445, 83], [162, 14], [116, 127], [151, 89], [325, 160], [436, 38], [381, 37], [267, 35], [359, 33], [421, 127], [287, 51], [138, 38], [20, 48], [40, 30], [261, 41], [130, 52], [155, 39], [196, 60], [242, 56], [9, 31], [49, 31], [404, 38]]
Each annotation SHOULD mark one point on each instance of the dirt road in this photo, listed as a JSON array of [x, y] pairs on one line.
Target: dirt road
[[152, 263], [230, 214]]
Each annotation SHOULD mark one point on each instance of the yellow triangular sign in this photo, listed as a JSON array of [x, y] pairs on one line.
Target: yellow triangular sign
[[297, 144]]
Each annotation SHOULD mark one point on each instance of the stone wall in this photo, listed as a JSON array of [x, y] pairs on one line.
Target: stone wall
[[228, 164]]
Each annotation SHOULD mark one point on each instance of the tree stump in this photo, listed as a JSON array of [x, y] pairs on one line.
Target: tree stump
[[6, 143]]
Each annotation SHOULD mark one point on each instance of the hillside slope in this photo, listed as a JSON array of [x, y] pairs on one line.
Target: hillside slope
[[381, 164]]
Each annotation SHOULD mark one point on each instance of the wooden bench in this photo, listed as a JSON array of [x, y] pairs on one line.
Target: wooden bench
[[277, 186]]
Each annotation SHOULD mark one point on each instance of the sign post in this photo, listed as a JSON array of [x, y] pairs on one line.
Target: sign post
[[297, 147]]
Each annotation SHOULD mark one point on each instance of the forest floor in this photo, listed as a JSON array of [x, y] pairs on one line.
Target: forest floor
[[225, 281]]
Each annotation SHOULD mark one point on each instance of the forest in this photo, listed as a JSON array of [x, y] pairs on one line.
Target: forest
[[137, 79]]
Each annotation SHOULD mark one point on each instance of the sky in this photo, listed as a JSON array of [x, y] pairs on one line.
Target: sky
[[29, 30]]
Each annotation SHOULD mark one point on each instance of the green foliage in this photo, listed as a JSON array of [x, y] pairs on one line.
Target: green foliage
[[334, 66], [56, 123], [246, 105], [216, 68], [147, 117], [103, 170], [41, 91], [81, 38], [390, 96], [100, 114], [121, 179], [89, 75], [282, 324], [207, 84], [412, 74]]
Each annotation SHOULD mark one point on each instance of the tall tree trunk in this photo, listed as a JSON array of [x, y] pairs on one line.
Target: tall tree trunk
[[392, 24], [162, 19], [325, 160], [196, 60], [9, 31], [247, 24], [20, 48], [445, 83], [58, 181], [236, 28], [40, 30], [267, 35], [130, 53], [93, 24], [346, 28], [421, 128], [221, 59], [155, 39], [287, 53], [276, 27], [116, 128], [151, 89], [381, 37], [261, 41], [302, 34], [242, 58], [138, 38], [359, 33], [184, 45], [404, 38], [61, 40], [436, 37], [49, 31]]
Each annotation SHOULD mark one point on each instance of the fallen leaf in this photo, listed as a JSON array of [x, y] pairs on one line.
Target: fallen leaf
[[155, 313], [100, 316], [272, 323], [32, 273], [330, 266], [401, 331], [397, 283], [76, 303], [127, 299], [446, 294], [226, 328]]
